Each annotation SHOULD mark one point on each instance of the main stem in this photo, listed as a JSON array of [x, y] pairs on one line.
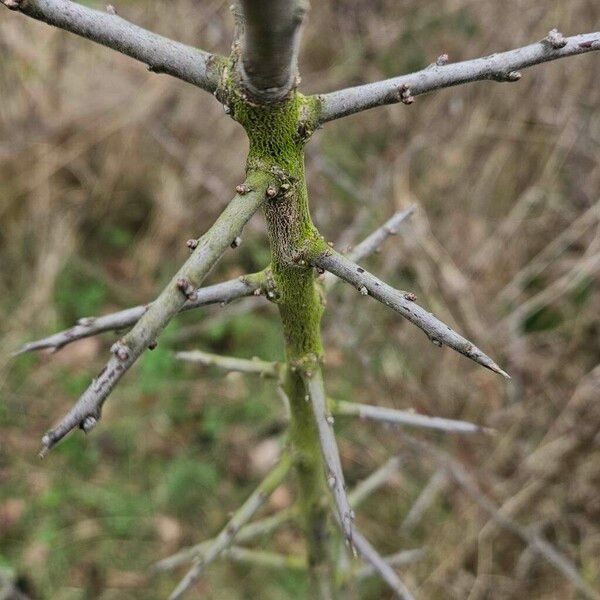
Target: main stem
[[277, 135], [300, 308]]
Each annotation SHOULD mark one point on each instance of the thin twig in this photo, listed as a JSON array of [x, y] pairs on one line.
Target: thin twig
[[373, 242], [269, 484], [254, 366], [403, 303], [501, 67], [220, 293], [571, 279], [270, 560], [331, 454], [161, 54], [425, 499], [374, 481], [405, 417], [400, 559], [209, 248], [538, 263], [247, 533], [385, 571]]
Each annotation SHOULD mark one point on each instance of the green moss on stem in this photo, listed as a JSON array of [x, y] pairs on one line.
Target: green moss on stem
[[277, 135]]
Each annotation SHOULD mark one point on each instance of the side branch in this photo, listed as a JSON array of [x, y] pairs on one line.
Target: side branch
[[381, 567], [501, 67], [330, 452], [375, 240], [393, 416], [400, 559], [425, 499], [374, 481], [161, 54], [210, 247], [254, 366], [269, 560], [403, 303], [247, 533], [220, 293], [240, 518]]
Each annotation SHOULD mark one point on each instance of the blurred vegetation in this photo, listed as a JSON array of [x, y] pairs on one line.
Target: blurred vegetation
[[106, 170]]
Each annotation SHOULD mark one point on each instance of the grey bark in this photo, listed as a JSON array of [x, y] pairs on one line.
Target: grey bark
[[87, 411], [220, 293], [161, 54], [503, 66], [403, 303], [405, 417], [270, 46]]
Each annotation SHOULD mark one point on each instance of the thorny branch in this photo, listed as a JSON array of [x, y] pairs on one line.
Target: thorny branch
[[161, 54], [269, 484], [259, 283], [403, 303], [404, 417], [330, 452], [503, 66], [220, 293], [385, 571], [87, 411], [399, 559], [270, 32]]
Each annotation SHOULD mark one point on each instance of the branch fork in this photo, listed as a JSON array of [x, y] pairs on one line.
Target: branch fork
[[170, 302]]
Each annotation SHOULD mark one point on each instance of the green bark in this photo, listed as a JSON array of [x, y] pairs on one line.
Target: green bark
[[278, 134]]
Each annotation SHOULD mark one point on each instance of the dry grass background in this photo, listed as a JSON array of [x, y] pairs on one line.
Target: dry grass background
[[106, 170]]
